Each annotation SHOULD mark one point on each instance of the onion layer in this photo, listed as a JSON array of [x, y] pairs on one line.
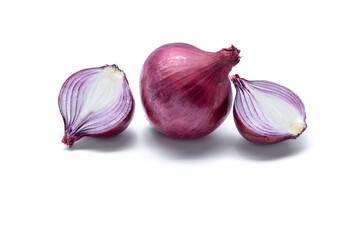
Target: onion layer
[[266, 112], [95, 102], [185, 91]]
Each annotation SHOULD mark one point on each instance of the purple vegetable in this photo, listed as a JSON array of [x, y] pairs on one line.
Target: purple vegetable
[[266, 112], [186, 91], [95, 102]]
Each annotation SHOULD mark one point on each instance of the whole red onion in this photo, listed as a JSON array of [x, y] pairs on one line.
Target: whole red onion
[[185, 91]]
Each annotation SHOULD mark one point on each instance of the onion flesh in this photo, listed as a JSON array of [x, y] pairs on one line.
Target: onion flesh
[[95, 102], [266, 112]]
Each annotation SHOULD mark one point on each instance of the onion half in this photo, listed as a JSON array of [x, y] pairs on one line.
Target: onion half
[[95, 102], [266, 112]]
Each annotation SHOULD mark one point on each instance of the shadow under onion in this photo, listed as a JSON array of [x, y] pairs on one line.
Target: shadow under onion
[[217, 146], [281, 150], [118, 142], [208, 147]]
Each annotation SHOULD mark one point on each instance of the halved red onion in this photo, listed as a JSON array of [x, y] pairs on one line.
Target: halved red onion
[[266, 112], [95, 102], [186, 91]]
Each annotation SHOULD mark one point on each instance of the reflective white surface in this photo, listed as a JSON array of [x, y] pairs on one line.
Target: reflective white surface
[[143, 185]]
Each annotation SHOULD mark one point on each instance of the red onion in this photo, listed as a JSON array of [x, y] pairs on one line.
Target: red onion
[[266, 112], [185, 91], [95, 102]]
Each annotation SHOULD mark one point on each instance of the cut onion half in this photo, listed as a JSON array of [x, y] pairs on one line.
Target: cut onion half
[[95, 102], [266, 112]]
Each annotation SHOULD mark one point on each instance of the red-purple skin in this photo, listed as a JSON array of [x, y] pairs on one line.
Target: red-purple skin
[[70, 139], [186, 92]]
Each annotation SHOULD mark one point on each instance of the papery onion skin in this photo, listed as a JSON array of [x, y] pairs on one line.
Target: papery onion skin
[[72, 135], [254, 136], [185, 91]]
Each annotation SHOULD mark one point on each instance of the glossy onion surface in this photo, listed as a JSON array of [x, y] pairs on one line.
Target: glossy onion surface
[[186, 92]]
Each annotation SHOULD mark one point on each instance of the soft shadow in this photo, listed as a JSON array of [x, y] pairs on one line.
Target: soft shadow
[[207, 147], [119, 142], [257, 152], [217, 146]]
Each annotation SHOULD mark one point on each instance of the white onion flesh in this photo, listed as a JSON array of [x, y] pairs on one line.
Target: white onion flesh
[[279, 113], [95, 102], [266, 112]]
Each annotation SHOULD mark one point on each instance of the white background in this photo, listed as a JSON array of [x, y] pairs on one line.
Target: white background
[[143, 185]]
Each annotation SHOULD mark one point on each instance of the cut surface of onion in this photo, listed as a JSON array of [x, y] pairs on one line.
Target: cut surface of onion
[[95, 102], [266, 112]]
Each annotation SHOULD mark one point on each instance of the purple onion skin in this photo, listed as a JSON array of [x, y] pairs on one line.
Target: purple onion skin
[[253, 136], [71, 136], [186, 92]]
